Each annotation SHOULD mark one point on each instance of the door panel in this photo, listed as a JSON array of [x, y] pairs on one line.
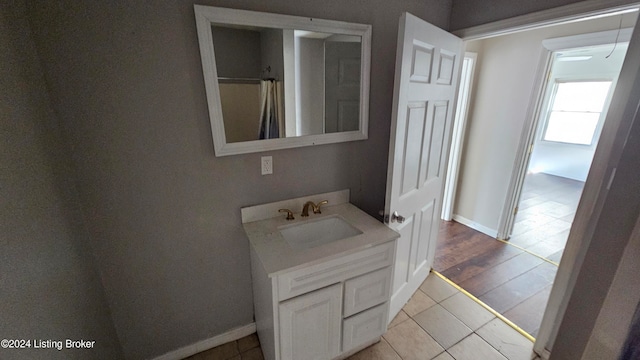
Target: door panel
[[445, 71], [437, 140], [424, 243], [421, 62], [427, 70], [412, 144], [403, 251]]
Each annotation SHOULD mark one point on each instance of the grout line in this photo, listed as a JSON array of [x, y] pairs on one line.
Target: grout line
[[388, 343], [497, 314], [529, 252]]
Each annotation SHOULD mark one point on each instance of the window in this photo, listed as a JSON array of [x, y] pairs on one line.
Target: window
[[575, 111]]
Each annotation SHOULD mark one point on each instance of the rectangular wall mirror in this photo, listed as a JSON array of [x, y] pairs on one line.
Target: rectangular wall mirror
[[278, 81]]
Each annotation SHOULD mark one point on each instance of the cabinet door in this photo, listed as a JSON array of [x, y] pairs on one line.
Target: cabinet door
[[310, 325]]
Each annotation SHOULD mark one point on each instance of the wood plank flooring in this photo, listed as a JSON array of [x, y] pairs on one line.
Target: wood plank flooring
[[514, 282]]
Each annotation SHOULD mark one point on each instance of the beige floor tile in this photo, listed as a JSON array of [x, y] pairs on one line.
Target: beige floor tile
[[418, 303], [437, 289], [474, 348], [379, 351], [444, 356], [507, 340], [222, 352], [445, 328], [410, 341], [467, 310], [248, 342], [253, 354], [402, 316]]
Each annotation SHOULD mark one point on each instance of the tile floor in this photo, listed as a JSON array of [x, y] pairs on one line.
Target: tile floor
[[438, 323], [442, 323], [547, 206]]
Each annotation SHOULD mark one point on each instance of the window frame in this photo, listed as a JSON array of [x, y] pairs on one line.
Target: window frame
[[551, 101]]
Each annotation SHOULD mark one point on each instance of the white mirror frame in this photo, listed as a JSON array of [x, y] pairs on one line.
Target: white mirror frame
[[208, 15]]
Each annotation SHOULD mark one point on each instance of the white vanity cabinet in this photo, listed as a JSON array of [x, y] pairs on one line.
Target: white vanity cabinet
[[327, 310], [316, 299]]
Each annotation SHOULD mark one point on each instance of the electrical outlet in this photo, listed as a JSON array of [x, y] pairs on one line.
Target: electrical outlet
[[267, 165]]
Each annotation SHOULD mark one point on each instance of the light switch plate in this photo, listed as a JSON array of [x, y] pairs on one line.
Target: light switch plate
[[267, 165]]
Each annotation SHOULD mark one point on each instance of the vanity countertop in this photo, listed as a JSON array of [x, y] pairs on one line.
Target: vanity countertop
[[278, 257]]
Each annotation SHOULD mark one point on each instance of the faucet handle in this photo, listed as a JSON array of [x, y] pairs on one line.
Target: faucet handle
[[289, 213], [316, 210]]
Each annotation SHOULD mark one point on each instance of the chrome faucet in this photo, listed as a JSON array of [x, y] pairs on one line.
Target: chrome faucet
[[316, 208]]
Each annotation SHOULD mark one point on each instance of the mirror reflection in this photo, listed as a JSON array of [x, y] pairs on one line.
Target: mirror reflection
[[277, 83]]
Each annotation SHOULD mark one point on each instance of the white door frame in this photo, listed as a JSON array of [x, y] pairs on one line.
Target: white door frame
[[555, 16], [507, 218], [457, 137], [609, 148]]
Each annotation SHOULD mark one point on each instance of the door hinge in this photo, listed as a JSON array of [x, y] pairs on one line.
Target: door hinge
[[530, 148], [385, 217], [515, 211]]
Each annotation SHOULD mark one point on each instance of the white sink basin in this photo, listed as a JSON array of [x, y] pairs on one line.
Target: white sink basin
[[316, 232]]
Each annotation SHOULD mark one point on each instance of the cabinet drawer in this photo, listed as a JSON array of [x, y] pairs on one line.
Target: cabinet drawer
[[366, 291], [330, 272], [364, 327]]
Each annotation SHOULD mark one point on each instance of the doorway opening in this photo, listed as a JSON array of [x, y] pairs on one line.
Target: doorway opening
[[575, 102], [515, 277]]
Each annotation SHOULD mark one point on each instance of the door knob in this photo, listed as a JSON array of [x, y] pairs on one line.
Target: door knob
[[395, 217]]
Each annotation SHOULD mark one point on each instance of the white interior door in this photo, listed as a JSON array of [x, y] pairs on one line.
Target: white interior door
[[427, 71], [342, 86]]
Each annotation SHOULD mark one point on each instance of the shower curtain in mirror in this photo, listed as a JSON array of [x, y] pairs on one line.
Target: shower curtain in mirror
[[271, 110]]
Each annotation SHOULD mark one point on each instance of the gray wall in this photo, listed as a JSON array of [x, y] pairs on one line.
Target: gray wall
[[272, 52], [162, 211], [611, 236], [237, 52], [610, 229], [50, 288], [619, 318]]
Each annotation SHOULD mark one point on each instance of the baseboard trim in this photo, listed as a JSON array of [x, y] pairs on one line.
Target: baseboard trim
[[474, 225], [231, 335], [545, 355]]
